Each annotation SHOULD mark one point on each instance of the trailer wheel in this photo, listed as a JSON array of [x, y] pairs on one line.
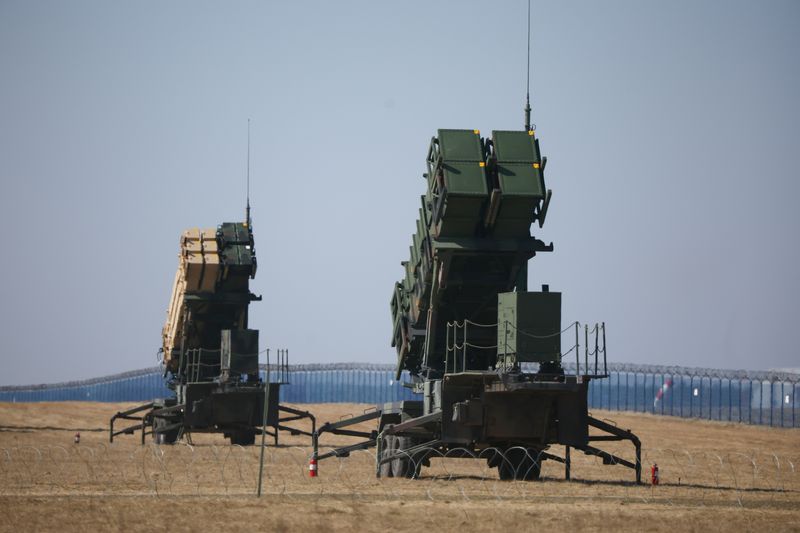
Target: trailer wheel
[[388, 447], [518, 465], [243, 437], [161, 436], [406, 466]]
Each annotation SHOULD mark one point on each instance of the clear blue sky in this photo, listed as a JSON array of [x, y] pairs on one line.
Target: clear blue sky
[[672, 131]]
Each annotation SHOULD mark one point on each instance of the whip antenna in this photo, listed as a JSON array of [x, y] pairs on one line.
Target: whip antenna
[[528, 86], [247, 212]]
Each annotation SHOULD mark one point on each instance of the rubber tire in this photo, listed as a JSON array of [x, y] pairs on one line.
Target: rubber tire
[[164, 437], [535, 472], [388, 446], [243, 438], [406, 467], [519, 466]]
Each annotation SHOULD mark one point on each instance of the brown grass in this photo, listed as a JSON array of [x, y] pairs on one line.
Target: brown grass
[[715, 477]]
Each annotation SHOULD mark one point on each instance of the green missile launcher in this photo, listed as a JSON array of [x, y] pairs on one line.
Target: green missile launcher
[[472, 242], [483, 352]]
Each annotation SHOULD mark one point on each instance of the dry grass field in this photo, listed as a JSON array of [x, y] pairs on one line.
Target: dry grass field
[[714, 477]]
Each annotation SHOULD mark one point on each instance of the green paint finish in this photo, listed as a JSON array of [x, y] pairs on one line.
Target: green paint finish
[[514, 219], [528, 327], [520, 179], [460, 145], [470, 245], [466, 178], [237, 255], [521, 182], [233, 233], [515, 146]]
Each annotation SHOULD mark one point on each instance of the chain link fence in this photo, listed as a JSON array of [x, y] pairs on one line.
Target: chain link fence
[[765, 398]]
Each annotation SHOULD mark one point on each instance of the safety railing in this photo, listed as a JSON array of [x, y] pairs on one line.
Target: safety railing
[[195, 369], [458, 345], [457, 354], [277, 372]]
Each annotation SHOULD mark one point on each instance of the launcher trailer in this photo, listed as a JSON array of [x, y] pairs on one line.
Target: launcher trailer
[[482, 351], [209, 355]]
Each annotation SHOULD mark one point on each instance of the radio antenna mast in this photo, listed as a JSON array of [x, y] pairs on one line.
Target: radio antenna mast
[[528, 87], [247, 211]]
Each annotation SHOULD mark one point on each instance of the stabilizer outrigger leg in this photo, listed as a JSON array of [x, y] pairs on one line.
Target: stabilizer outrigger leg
[[144, 421], [614, 434], [294, 414], [337, 428]]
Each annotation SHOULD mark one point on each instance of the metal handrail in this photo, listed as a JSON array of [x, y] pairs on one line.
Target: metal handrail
[[452, 345]]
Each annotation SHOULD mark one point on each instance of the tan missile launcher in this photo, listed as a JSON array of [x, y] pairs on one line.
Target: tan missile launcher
[[210, 355], [198, 271]]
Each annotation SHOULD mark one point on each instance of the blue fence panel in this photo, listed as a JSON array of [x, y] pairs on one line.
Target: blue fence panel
[[747, 397]]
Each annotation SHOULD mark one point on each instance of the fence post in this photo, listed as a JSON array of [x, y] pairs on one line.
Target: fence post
[[740, 400], [464, 356], [760, 403], [703, 397], [586, 347], [711, 397], [771, 398], [604, 388], [626, 390], [577, 350], [605, 359], [655, 392], [730, 400], [447, 349]]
